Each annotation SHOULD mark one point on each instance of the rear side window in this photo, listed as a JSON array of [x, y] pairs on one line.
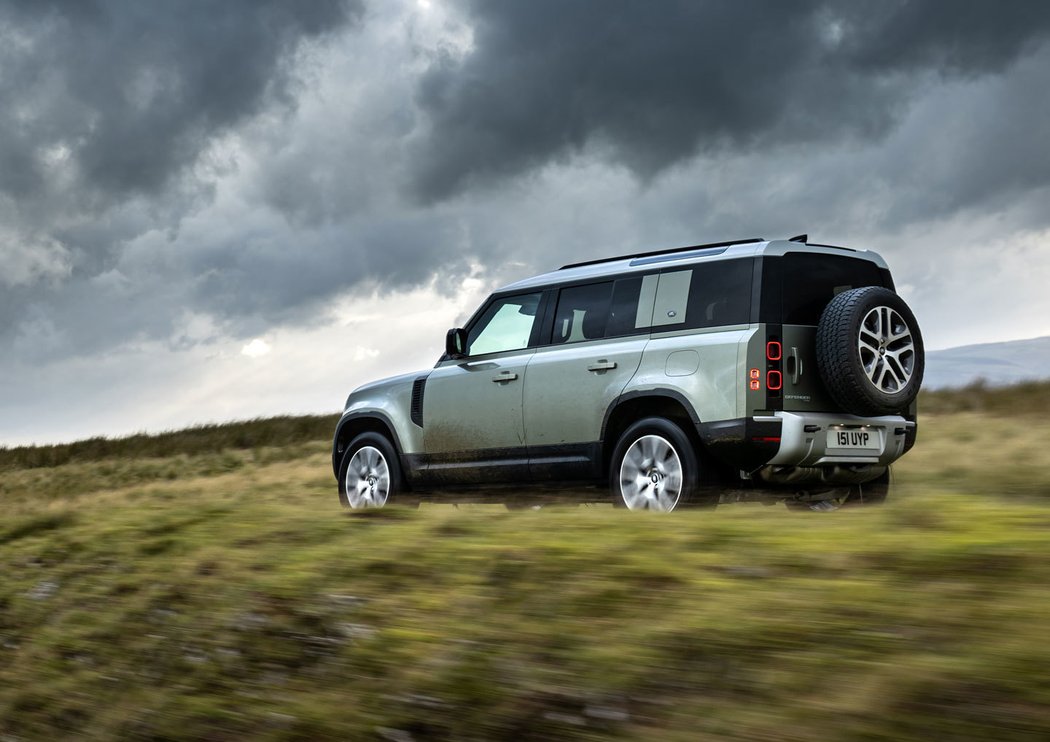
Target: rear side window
[[672, 299], [708, 295], [797, 286], [720, 294]]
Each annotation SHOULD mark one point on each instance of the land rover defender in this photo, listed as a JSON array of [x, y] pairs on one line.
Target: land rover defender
[[748, 369]]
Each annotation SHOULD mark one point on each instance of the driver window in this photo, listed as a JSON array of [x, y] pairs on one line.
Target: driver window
[[506, 325]]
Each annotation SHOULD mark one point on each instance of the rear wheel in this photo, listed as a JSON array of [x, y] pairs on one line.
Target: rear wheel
[[655, 467], [370, 473]]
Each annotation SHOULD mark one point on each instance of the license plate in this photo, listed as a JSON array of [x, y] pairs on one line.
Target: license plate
[[855, 439]]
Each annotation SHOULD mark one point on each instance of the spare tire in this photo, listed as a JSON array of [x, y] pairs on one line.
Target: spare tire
[[869, 351]]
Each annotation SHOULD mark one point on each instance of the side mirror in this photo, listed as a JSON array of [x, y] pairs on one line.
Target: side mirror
[[456, 342]]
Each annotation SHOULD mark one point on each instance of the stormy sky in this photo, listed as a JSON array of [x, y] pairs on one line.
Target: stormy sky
[[214, 210]]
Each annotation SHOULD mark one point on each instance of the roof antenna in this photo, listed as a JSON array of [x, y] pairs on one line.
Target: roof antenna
[[799, 238]]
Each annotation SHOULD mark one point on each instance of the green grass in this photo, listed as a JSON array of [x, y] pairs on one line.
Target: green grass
[[218, 592]]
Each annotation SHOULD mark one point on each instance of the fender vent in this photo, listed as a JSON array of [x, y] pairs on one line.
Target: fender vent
[[416, 411]]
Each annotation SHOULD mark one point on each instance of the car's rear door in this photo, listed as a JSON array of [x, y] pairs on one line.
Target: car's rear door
[[595, 344], [806, 283]]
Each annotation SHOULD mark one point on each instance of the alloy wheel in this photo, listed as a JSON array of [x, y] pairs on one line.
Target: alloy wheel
[[367, 479], [651, 475]]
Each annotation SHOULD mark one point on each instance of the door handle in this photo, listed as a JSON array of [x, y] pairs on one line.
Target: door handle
[[602, 366], [797, 370], [504, 376]]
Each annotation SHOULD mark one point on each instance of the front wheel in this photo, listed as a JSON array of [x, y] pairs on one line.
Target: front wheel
[[655, 467], [370, 473]]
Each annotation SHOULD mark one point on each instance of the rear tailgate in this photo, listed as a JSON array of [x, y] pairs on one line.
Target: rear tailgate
[[796, 287], [803, 390]]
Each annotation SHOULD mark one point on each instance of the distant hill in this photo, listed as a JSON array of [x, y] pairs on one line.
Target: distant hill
[[999, 364]]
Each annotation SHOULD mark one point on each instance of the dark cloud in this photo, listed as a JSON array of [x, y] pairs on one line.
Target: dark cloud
[[178, 178], [780, 117], [648, 85], [281, 279], [969, 37], [124, 96], [109, 113]]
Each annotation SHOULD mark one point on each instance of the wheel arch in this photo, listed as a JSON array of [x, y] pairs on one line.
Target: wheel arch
[[634, 406], [353, 425]]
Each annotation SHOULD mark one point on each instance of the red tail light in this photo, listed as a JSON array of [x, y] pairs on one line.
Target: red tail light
[[772, 372]]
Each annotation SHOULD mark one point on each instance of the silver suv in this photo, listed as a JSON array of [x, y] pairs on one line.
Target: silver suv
[[713, 373]]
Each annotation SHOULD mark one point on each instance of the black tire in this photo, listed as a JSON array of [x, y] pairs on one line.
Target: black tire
[[869, 351], [378, 495], [679, 449]]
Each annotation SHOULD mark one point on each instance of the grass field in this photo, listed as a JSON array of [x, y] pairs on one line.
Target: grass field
[[206, 585]]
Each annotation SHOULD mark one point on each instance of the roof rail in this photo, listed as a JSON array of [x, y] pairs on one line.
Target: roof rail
[[662, 252]]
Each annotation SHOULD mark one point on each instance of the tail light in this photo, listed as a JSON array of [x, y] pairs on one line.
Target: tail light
[[774, 378], [773, 375]]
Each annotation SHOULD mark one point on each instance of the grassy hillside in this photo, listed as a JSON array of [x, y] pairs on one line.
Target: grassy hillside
[[248, 434], [205, 585]]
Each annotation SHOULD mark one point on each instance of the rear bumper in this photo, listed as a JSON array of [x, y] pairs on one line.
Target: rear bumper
[[804, 439], [799, 439]]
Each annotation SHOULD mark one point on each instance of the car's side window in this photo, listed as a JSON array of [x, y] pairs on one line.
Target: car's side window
[[632, 306], [715, 294], [506, 325], [710, 295], [672, 299], [720, 294], [582, 313], [607, 309]]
